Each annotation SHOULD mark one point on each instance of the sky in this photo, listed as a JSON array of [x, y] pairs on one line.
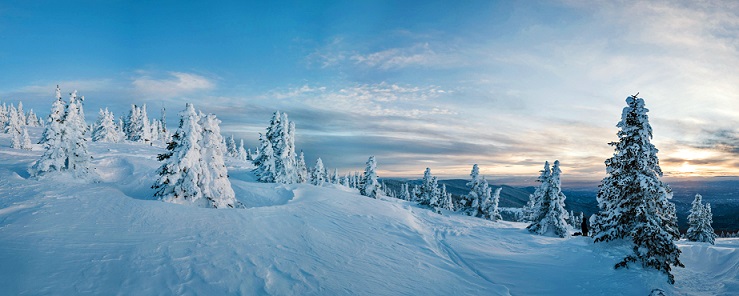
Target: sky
[[439, 84]]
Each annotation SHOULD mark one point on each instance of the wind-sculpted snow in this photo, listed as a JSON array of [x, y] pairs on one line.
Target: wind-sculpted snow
[[62, 236]]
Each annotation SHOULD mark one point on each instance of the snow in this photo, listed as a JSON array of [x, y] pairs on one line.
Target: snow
[[63, 236]]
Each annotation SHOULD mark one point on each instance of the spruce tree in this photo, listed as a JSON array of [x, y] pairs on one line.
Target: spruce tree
[[430, 193], [216, 187], [369, 186], [78, 158], [26, 140], [301, 169], [181, 169], [490, 206], [317, 174], [232, 149], [265, 162], [241, 152], [633, 201], [105, 128], [551, 216], [699, 222], [404, 193]]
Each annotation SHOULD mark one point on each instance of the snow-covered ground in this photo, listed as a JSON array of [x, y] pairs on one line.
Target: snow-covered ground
[[60, 236]]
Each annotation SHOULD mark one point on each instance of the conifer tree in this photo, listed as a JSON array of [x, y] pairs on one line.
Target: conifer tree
[[551, 215], [446, 202], [265, 162], [301, 169], [105, 128], [317, 174], [404, 193], [430, 193], [216, 187], [26, 140], [182, 170], [699, 222], [633, 201], [233, 150], [13, 126], [490, 206], [369, 186], [32, 119], [241, 152]]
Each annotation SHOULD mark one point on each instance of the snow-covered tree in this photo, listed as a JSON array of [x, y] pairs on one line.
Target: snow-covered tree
[[241, 152], [182, 169], [551, 216], [445, 202], [370, 186], [231, 148], [699, 222], [317, 175], [26, 140], [430, 194], [105, 128], [75, 128], [265, 162], [480, 191], [633, 201], [21, 114], [490, 208], [404, 193], [32, 119], [301, 169], [216, 187], [14, 124]]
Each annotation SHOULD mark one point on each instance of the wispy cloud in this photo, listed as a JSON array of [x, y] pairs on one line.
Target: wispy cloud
[[172, 85]]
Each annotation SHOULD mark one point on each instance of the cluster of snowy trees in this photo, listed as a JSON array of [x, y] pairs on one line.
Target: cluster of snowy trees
[[276, 161], [725, 234], [634, 203], [64, 141], [699, 221], [14, 122], [136, 127], [193, 170], [546, 207]]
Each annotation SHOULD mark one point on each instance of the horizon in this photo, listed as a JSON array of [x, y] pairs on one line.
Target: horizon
[[506, 85]]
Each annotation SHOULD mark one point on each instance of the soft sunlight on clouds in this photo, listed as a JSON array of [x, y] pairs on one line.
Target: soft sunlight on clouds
[[510, 85], [176, 84]]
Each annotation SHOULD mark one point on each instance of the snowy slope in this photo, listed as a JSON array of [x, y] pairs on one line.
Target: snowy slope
[[61, 236]]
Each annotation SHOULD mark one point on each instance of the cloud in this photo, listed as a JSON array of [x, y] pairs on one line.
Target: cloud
[[175, 84]]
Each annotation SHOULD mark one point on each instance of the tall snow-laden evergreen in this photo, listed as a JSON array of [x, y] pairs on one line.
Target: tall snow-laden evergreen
[[551, 216], [479, 192], [490, 206], [301, 169], [182, 170], [32, 119], [369, 185], [634, 203], [231, 148], [446, 201], [430, 193], [699, 222], [216, 187], [55, 155], [317, 175], [105, 128], [265, 162], [26, 140], [241, 152]]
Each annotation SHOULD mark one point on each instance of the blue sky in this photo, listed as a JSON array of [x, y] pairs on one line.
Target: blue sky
[[439, 84]]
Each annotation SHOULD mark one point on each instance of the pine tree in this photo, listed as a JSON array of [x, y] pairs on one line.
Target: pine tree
[[404, 194], [699, 222], [301, 169], [105, 128], [430, 193], [317, 174], [490, 206], [53, 138], [633, 201], [233, 150], [78, 158], [265, 162], [551, 216], [26, 140], [182, 170], [472, 204], [216, 187], [242, 153], [21, 114], [446, 202], [13, 125], [369, 185], [32, 119]]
